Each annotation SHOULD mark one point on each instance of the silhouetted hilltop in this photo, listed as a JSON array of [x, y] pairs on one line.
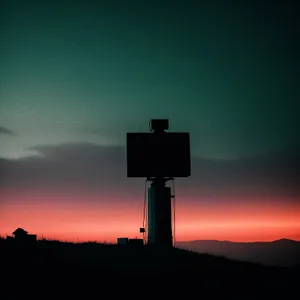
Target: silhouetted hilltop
[[283, 252], [94, 259]]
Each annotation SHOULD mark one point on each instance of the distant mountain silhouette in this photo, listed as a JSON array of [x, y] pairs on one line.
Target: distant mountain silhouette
[[282, 252]]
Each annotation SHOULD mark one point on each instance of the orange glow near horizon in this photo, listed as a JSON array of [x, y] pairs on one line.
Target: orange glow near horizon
[[66, 218]]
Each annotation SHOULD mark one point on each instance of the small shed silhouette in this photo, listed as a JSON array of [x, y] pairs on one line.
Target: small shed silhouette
[[22, 235], [122, 241]]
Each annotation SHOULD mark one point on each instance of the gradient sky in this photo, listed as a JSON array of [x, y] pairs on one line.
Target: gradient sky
[[75, 76]]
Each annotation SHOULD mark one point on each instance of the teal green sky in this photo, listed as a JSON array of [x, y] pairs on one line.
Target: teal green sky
[[88, 71]]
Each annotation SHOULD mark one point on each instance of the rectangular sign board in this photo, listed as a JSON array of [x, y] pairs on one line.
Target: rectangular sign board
[[158, 154]]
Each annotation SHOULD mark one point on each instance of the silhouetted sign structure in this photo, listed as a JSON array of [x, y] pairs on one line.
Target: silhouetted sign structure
[[159, 156], [165, 154]]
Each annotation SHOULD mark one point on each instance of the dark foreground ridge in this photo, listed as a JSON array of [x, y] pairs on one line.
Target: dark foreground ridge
[[83, 259]]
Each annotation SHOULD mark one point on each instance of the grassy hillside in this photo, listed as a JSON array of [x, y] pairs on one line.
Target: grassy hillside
[[46, 257]]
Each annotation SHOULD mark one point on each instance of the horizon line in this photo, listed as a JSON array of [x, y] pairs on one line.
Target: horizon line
[[42, 238]]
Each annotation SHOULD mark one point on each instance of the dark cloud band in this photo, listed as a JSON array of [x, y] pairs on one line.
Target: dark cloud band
[[6, 131], [103, 168]]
